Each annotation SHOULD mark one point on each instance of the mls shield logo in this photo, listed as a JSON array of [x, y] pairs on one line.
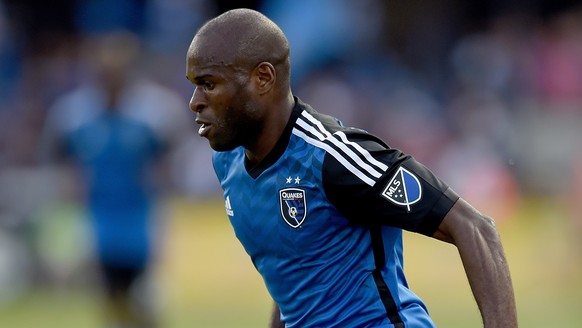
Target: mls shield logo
[[293, 206], [403, 189]]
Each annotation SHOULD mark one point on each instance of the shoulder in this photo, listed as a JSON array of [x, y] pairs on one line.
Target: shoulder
[[348, 150], [74, 109], [327, 131]]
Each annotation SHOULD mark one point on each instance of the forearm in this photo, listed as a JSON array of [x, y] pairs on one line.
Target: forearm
[[488, 273], [481, 251], [276, 318]]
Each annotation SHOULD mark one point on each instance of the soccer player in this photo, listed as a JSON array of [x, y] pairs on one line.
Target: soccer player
[[319, 207], [108, 129]]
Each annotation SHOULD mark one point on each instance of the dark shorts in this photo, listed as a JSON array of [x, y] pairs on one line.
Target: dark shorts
[[120, 279]]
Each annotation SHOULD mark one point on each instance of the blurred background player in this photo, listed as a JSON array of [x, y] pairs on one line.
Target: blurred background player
[[116, 129]]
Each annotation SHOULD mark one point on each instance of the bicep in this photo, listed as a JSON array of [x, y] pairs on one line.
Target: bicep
[[407, 195]]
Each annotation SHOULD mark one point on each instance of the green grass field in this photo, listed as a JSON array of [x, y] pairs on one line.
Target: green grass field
[[204, 278]]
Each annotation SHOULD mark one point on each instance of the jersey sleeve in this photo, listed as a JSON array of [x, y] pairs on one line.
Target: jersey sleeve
[[377, 185]]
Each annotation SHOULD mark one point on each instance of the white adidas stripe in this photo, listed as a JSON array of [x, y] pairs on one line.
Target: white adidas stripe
[[362, 151], [342, 145], [335, 154]]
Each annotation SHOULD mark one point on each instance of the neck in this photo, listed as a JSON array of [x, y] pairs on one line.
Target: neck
[[275, 122]]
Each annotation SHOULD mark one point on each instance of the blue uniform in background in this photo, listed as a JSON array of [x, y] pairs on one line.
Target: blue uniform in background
[[115, 152], [322, 216], [116, 136]]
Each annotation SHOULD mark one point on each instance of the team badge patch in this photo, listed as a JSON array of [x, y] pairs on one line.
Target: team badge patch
[[403, 189], [293, 206]]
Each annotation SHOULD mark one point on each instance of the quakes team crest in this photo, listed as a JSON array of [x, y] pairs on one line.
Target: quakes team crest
[[403, 189], [293, 206]]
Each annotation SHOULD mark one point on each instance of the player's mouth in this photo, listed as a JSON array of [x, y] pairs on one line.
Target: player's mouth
[[204, 128]]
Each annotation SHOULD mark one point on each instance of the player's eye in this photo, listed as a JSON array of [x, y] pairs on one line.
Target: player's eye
[[208, 85]]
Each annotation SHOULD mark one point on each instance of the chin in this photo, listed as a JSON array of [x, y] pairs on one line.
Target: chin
[[221, 147]]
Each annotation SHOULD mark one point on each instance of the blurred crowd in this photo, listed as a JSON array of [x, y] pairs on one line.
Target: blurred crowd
[[488, 94]]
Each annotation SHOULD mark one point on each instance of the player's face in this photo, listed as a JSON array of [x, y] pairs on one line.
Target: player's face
[[223, 104]]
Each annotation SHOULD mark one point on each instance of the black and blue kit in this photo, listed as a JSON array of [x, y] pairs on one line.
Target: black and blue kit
[[322, 216]]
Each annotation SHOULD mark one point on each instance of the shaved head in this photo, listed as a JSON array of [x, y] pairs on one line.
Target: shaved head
[[240, 39], [239, 63]]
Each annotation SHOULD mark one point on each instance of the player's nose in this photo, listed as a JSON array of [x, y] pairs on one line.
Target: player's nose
[[198, 101]]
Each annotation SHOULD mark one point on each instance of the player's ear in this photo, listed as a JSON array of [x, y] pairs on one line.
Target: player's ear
[[264, 76]]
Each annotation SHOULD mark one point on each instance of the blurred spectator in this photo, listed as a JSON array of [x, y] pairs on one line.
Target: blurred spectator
[[559, 62], [549, 119], [9, 58], [117, 128], [323, 31], [104, 16]]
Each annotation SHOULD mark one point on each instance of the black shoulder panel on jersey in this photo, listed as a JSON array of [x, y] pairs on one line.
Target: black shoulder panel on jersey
[[407, 195], [333, 138]]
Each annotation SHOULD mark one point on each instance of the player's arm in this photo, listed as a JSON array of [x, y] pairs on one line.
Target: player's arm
[[276, 318], [477, 240]]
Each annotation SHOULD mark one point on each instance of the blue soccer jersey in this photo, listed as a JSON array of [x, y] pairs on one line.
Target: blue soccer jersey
[[322, 216], [115, 153]]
